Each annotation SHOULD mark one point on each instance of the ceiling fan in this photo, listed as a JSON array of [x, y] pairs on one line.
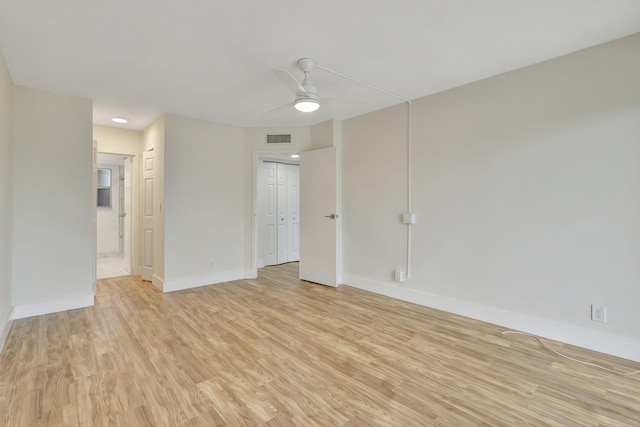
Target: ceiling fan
[[307, 99]]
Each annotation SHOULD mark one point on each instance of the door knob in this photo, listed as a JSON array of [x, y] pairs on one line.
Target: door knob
[[332, 216]]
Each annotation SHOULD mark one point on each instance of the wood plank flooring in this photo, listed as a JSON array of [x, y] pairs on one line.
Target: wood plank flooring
[[280, 352]]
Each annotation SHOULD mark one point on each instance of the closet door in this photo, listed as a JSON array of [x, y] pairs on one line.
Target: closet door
[[293, 212], [283, 219], [280, 194], [271, 214]]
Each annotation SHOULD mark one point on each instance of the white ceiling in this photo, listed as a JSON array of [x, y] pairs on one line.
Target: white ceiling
[[212, 59]]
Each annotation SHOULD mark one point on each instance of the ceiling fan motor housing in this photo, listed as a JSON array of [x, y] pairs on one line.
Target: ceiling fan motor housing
[[306, 64]]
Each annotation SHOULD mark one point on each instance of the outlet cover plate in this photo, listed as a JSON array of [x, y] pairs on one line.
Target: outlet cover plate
[[599, 313]]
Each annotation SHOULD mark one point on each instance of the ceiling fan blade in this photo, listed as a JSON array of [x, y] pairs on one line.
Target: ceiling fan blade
[[290, 81], [277, 109]]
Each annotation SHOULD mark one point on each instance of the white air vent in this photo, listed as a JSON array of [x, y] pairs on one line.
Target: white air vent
[[283, 138]]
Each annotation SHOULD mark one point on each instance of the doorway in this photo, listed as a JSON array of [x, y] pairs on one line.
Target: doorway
[[277, 210], [319, 242], [114, 254]]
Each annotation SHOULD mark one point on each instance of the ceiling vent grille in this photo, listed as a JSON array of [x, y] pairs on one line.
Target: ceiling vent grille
[[284, 138]]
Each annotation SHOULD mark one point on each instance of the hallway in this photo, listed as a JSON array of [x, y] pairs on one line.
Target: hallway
[[112, 265]]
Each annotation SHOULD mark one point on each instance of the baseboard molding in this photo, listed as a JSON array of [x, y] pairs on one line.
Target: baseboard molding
[[108, 254], [53, 306], [203, 280], [158, 282], [4, 332], [614, 345]]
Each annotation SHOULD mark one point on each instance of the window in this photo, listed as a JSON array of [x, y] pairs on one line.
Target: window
[[104, 187]]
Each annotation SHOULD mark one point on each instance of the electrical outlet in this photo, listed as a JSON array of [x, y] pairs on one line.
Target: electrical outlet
[[599, 313], [400, 276], [212, 264]]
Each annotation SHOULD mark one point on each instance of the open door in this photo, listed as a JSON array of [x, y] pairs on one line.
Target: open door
[[126, 214], [319, 218], [94, 221], [147, 215]]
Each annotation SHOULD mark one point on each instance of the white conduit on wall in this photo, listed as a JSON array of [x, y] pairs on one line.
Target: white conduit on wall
[[409, 149], [409, 189]]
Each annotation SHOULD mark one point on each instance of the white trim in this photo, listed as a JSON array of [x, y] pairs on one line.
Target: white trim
[[158, 282], [204, 280], [4, 333], [53, 306], [614, 345]]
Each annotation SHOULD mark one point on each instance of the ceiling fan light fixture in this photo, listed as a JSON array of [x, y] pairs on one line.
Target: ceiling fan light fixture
[[307, 105]]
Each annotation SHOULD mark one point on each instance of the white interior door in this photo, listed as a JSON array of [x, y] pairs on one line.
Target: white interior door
[[293, 212], [279, 224], [319, 238], [147, 214], [270, 215], [121, 211], [128, 252], [94, 222], [281, 196]]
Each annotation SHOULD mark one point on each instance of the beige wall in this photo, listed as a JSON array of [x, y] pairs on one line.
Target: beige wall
[[374, 193], [525, 187], [5, 200], [114, 140], [52, 201], [204, 197], [323, 135]]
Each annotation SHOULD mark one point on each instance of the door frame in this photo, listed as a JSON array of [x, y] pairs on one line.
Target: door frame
[[134, 238], [256, 156]]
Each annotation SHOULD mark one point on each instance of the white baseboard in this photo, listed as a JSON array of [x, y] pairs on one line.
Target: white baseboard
[[53, 306], [109, 254], [203, 280], [614, 345], [158, 282], [4, 332]]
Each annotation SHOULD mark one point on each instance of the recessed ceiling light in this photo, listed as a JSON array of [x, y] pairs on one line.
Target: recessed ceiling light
[[295, 156], [121, 120]]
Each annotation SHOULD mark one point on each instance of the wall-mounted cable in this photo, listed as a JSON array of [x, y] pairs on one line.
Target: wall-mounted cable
[[583, 362]]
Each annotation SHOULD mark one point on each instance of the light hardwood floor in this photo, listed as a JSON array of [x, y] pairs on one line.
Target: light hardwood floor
[[278, 352]]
